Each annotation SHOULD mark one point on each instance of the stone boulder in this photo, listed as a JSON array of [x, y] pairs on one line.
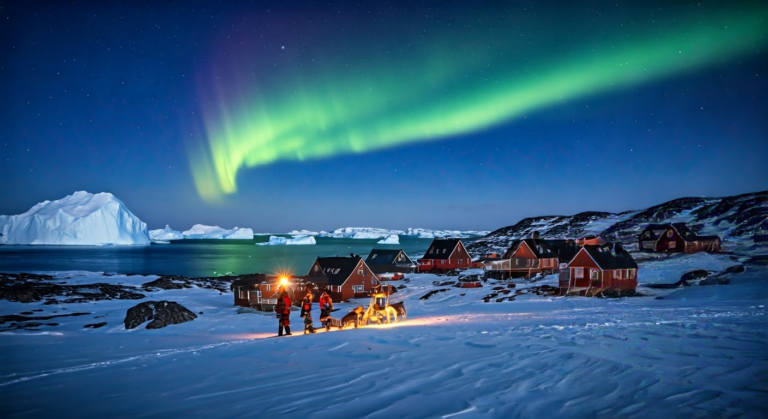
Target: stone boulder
[[735, 269], [162, 313], [694, 275]]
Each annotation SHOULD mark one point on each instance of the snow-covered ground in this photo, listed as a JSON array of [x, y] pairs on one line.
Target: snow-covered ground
[[698, 351], [79, 219]]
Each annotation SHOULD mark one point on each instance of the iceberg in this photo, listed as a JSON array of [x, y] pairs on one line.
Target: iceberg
[[392, 239], [165, 234], [304, 233], [200, 231], [298, 240], [78, 219], [360, 233], [424, 233]]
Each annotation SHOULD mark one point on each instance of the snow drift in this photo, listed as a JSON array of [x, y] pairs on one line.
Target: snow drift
[[165, 234], [78, 219], [199, 231], [298, 240]]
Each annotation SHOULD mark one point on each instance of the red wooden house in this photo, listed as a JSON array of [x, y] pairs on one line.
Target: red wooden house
[[260, 291], [528, 257], [600, 270], [445, 255], [343, 277], [676, 237]]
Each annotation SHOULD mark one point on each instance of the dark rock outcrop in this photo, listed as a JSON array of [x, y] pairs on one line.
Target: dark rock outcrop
[[162, 313], [95, 325], [735, 269], [693, 275]]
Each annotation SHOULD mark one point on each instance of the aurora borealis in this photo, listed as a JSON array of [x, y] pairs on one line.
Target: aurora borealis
[[320, 115], [305, 118]]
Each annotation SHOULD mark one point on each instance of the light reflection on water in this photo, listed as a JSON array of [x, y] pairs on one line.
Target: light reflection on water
[[191, 257]]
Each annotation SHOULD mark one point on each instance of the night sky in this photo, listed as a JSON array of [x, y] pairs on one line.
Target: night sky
[[445, 115]]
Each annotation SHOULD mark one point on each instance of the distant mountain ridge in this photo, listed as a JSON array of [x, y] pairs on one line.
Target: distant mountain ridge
[[739, 215]]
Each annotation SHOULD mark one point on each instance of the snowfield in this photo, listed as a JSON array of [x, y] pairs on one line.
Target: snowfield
[[699, 351]]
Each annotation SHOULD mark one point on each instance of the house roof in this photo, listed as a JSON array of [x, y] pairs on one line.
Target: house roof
[[541, 248], [248, 281], [441, 248], [337, 269], [379, 257], [608, 259], [681, 228]]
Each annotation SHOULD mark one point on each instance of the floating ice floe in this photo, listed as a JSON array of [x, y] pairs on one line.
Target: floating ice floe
[[393, 239]]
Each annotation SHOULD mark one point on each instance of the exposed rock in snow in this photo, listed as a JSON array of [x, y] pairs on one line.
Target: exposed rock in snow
[[165, 234], [199, 231], [393, 239], [298, 240], [162, 313], [78, 219]]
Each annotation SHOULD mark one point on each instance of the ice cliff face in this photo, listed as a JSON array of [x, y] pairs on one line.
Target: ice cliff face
[[78, 219], [165, 234]]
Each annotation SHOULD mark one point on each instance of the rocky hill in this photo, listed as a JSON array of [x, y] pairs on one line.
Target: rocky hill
[[732, 216]]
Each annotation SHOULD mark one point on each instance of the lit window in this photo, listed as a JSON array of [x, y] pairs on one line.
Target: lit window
[[672, 244], [618, 273], [579, 272], [431, 250]]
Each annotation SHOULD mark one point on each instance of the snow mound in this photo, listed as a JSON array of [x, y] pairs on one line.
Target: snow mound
[[199, 231], [78, 219], [298, 240], [393, 239], [165, 234]]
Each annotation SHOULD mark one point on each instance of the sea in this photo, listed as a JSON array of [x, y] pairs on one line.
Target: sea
[[195, 258]]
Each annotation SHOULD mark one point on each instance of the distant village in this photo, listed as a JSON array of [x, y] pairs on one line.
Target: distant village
[[588, 266]]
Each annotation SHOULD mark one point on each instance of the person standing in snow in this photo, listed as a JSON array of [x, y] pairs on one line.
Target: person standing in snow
[[306, 313], [326, 305], [283, 312]]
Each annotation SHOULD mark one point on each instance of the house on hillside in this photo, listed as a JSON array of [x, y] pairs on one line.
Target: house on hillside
[[676, 238], [344, 277], [445, 255], [600, 270], [390, 260], [525, 258], [260, 291]]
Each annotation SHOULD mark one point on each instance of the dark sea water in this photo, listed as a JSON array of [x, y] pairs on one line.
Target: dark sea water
[[192, 257]]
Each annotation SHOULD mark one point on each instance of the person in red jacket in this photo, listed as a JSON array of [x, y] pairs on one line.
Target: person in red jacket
[[326, 305], [306, 313], [283, 312]]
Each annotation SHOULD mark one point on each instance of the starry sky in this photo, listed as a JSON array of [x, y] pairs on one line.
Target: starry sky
[[319, 115]]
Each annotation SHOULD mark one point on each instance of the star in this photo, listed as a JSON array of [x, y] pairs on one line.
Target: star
[[282, 47]]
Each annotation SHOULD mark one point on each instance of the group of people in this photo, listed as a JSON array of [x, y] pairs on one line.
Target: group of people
[[283, 312]]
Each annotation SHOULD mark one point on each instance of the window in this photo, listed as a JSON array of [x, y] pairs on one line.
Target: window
[[269, 287], [444, 250], [431, 250], [460, 261], [373, 281], [360, 272], [618, 273], [545, 263], [442, 262], [670, 233], [241, 294], [317, 268], [593, 274], [631, 273], [578, 272], [672, 244], [358, 288], [374, 256]]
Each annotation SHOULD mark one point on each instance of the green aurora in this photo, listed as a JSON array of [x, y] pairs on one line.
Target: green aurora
[[443, 93]]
